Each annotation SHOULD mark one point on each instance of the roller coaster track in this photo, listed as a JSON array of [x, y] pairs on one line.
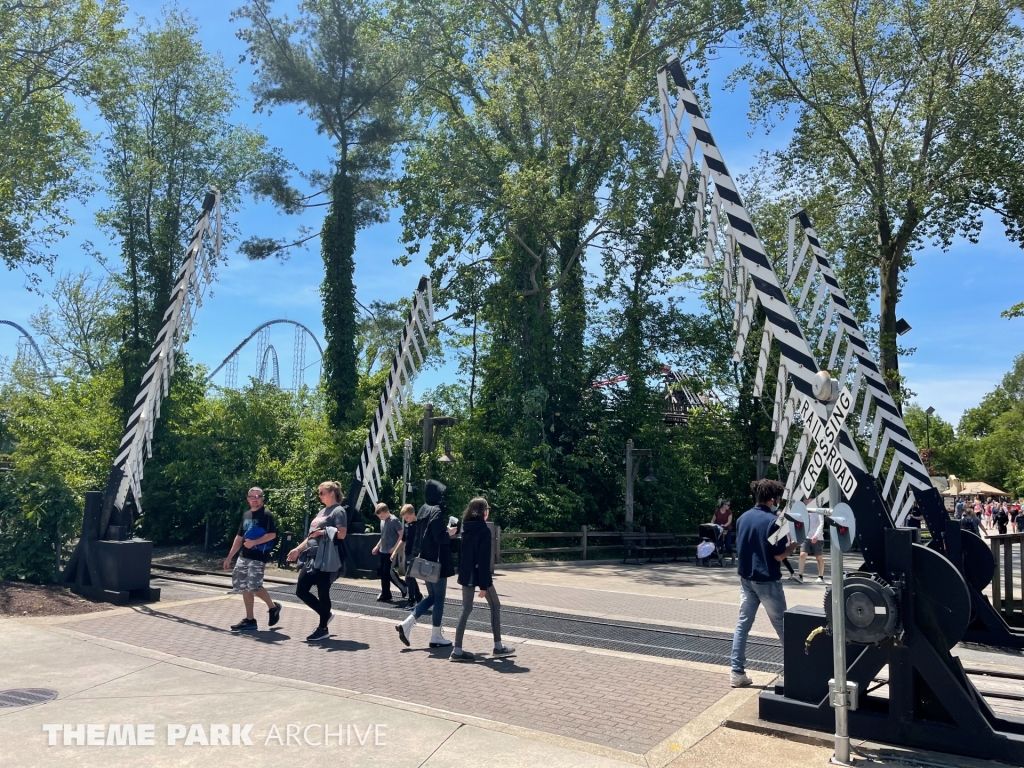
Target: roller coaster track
[[301, 332], [31, 341]]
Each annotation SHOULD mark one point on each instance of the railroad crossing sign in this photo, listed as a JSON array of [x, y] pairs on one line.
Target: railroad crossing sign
[[826, 435]]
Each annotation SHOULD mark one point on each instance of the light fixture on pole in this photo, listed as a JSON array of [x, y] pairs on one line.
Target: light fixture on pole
[[447, 458], [902, 327], [650, 473]]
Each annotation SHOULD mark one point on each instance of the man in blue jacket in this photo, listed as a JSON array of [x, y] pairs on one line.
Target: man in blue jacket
[[758, 567]]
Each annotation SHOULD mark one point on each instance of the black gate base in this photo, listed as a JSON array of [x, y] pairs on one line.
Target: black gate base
[[115, 572], [932, 704]]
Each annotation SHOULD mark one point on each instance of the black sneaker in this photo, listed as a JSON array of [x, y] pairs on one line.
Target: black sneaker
[[319, 634], [245, 625], [503, 651], [275, 614], [461, 656], [384, 599]]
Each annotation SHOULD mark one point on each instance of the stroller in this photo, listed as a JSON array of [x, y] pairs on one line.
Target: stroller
[[712, 540]]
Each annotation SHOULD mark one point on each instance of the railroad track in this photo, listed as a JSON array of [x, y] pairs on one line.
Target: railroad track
[[708, 646]]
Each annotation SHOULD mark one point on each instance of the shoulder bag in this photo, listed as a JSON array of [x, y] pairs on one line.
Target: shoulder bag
[[426, 570]]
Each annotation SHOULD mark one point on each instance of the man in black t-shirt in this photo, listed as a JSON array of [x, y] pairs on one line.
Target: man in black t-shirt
[[253, 542]]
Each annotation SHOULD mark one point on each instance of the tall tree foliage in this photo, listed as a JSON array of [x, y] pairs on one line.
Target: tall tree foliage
[[48, 53], [533, 107], [80, 332], [333, 61], [910, 124], [166, 103]]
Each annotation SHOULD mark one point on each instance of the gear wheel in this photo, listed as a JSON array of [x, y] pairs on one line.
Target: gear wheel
[[872, 608]]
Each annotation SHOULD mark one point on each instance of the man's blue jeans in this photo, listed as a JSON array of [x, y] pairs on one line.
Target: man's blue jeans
[[435, 600], [753, 594]]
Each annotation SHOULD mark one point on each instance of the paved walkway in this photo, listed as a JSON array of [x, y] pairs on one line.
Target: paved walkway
[[175, 663]]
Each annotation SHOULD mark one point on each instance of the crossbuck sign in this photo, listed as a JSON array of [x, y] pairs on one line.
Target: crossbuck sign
[[826, 435]]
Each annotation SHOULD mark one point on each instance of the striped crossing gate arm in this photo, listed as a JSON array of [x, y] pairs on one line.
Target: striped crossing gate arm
[[889, 430], [746, 261], [186, 296], [372, 467]]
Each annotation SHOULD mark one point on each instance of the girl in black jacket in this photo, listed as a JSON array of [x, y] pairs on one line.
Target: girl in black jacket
[[475, 574]]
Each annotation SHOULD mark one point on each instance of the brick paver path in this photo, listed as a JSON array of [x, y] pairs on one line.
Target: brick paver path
[[617, 702]]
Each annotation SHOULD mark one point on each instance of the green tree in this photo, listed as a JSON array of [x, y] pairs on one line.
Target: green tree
[[48, 52], [334, 62], [60, 436], [166, 104], [909, 127], [531, 112], [989, 444], [81, 330]]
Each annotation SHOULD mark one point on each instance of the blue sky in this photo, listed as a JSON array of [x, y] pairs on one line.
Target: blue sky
[[953, 299]]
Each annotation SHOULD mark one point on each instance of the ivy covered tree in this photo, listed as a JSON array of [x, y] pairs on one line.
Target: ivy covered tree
[[166, 103], [334, 62], [533, 114]]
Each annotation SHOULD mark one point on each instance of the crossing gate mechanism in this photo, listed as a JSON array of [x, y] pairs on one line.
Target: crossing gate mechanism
[[104, 565], [910, 604], [413, 347]]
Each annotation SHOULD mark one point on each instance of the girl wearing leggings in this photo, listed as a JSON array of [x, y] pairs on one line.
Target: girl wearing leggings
[[474, 575]]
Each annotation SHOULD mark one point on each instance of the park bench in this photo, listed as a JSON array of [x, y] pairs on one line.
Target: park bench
[[650, 545]]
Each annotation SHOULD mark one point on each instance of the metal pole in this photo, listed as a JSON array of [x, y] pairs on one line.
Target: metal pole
[[406, 466], [305, 519], [629, 485], [840, 696]]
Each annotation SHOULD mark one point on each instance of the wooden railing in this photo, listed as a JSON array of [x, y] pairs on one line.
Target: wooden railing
[[583, 535], [1008, 604]]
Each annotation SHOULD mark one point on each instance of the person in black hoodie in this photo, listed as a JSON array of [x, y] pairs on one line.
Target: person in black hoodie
[[475, 574], [432, 543]]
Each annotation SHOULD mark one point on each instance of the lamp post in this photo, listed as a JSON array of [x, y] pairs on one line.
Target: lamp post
[[928, 427], [632, 469]]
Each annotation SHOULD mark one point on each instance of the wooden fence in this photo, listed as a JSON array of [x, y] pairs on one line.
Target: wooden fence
[[1006, 599], [589, 542]]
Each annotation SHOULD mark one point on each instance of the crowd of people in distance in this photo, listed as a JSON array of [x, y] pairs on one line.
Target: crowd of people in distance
[[989, 518], [417, 544]]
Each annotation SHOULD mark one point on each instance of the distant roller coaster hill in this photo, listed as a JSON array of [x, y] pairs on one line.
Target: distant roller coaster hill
[[266, 356], [31, 343]]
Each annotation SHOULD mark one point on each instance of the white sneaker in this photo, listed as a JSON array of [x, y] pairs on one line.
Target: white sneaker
[[438, 640], [796, 577], [740, 680], [820, 580]]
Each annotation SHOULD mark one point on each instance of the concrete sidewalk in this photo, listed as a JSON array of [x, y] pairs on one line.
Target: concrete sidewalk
[[151, 665], [105, 682]]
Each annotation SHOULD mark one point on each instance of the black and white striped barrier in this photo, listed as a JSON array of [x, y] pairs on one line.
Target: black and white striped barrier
[[186, 297], [748, 275], [888, 429], [372, 463]]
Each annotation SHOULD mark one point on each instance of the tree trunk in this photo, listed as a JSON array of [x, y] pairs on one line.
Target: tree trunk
[[889, 275], [570, 380], [338, 292]]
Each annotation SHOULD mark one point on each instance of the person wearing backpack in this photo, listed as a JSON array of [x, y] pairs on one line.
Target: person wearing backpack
[[320, 557], [475, 574], [255, 538]]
